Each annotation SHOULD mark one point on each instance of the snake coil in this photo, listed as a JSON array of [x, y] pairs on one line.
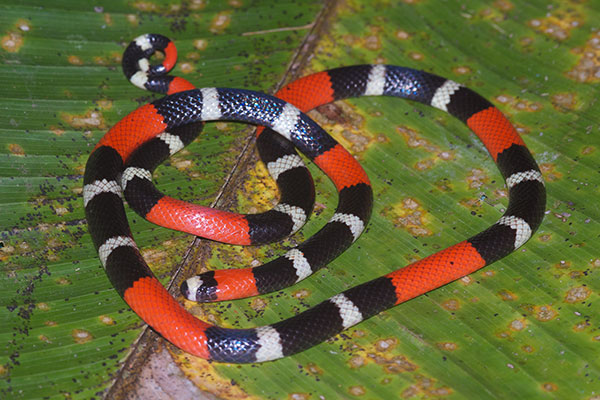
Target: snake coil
[[180, 112]]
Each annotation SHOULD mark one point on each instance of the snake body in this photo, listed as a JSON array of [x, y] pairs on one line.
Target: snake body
[[134, 281]]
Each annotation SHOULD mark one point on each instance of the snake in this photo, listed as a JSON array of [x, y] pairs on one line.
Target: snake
[[134, 281]]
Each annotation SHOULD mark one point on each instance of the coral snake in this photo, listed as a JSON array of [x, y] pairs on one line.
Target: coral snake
[[167, 124]]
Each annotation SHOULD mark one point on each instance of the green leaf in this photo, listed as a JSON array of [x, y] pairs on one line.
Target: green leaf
[[524, 327]]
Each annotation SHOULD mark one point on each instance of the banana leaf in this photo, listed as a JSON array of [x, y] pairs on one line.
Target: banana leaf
[[526, 326]]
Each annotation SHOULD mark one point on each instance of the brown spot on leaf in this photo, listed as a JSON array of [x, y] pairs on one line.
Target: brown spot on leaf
[[313, 369], [549, 387], [507, 295], [550, 173], [558, 25], [462, 70], [44, 338], [527, 348], [145, 6], [477, 178], [74, 60], [588, 150], [133, 19], [356, 362], [81, 336], [562, 101], [392, 365], [581, 326], [451, 304], [587, 68], [372, 42], [503, 5], [577, 294], [357, 390], [447, 346], [200, 44], [197, 4], [298, 396], [106, 320], [62, 281], [386, 344], [425, 387], [186, 67], [90, 120], [402, 35], [220, 22], [57, 131], [518, 325], [408, 215], [16, 149], [543, 313], [416, 56], [258, 304], [12, 42], [466, 280], [104, 104]]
